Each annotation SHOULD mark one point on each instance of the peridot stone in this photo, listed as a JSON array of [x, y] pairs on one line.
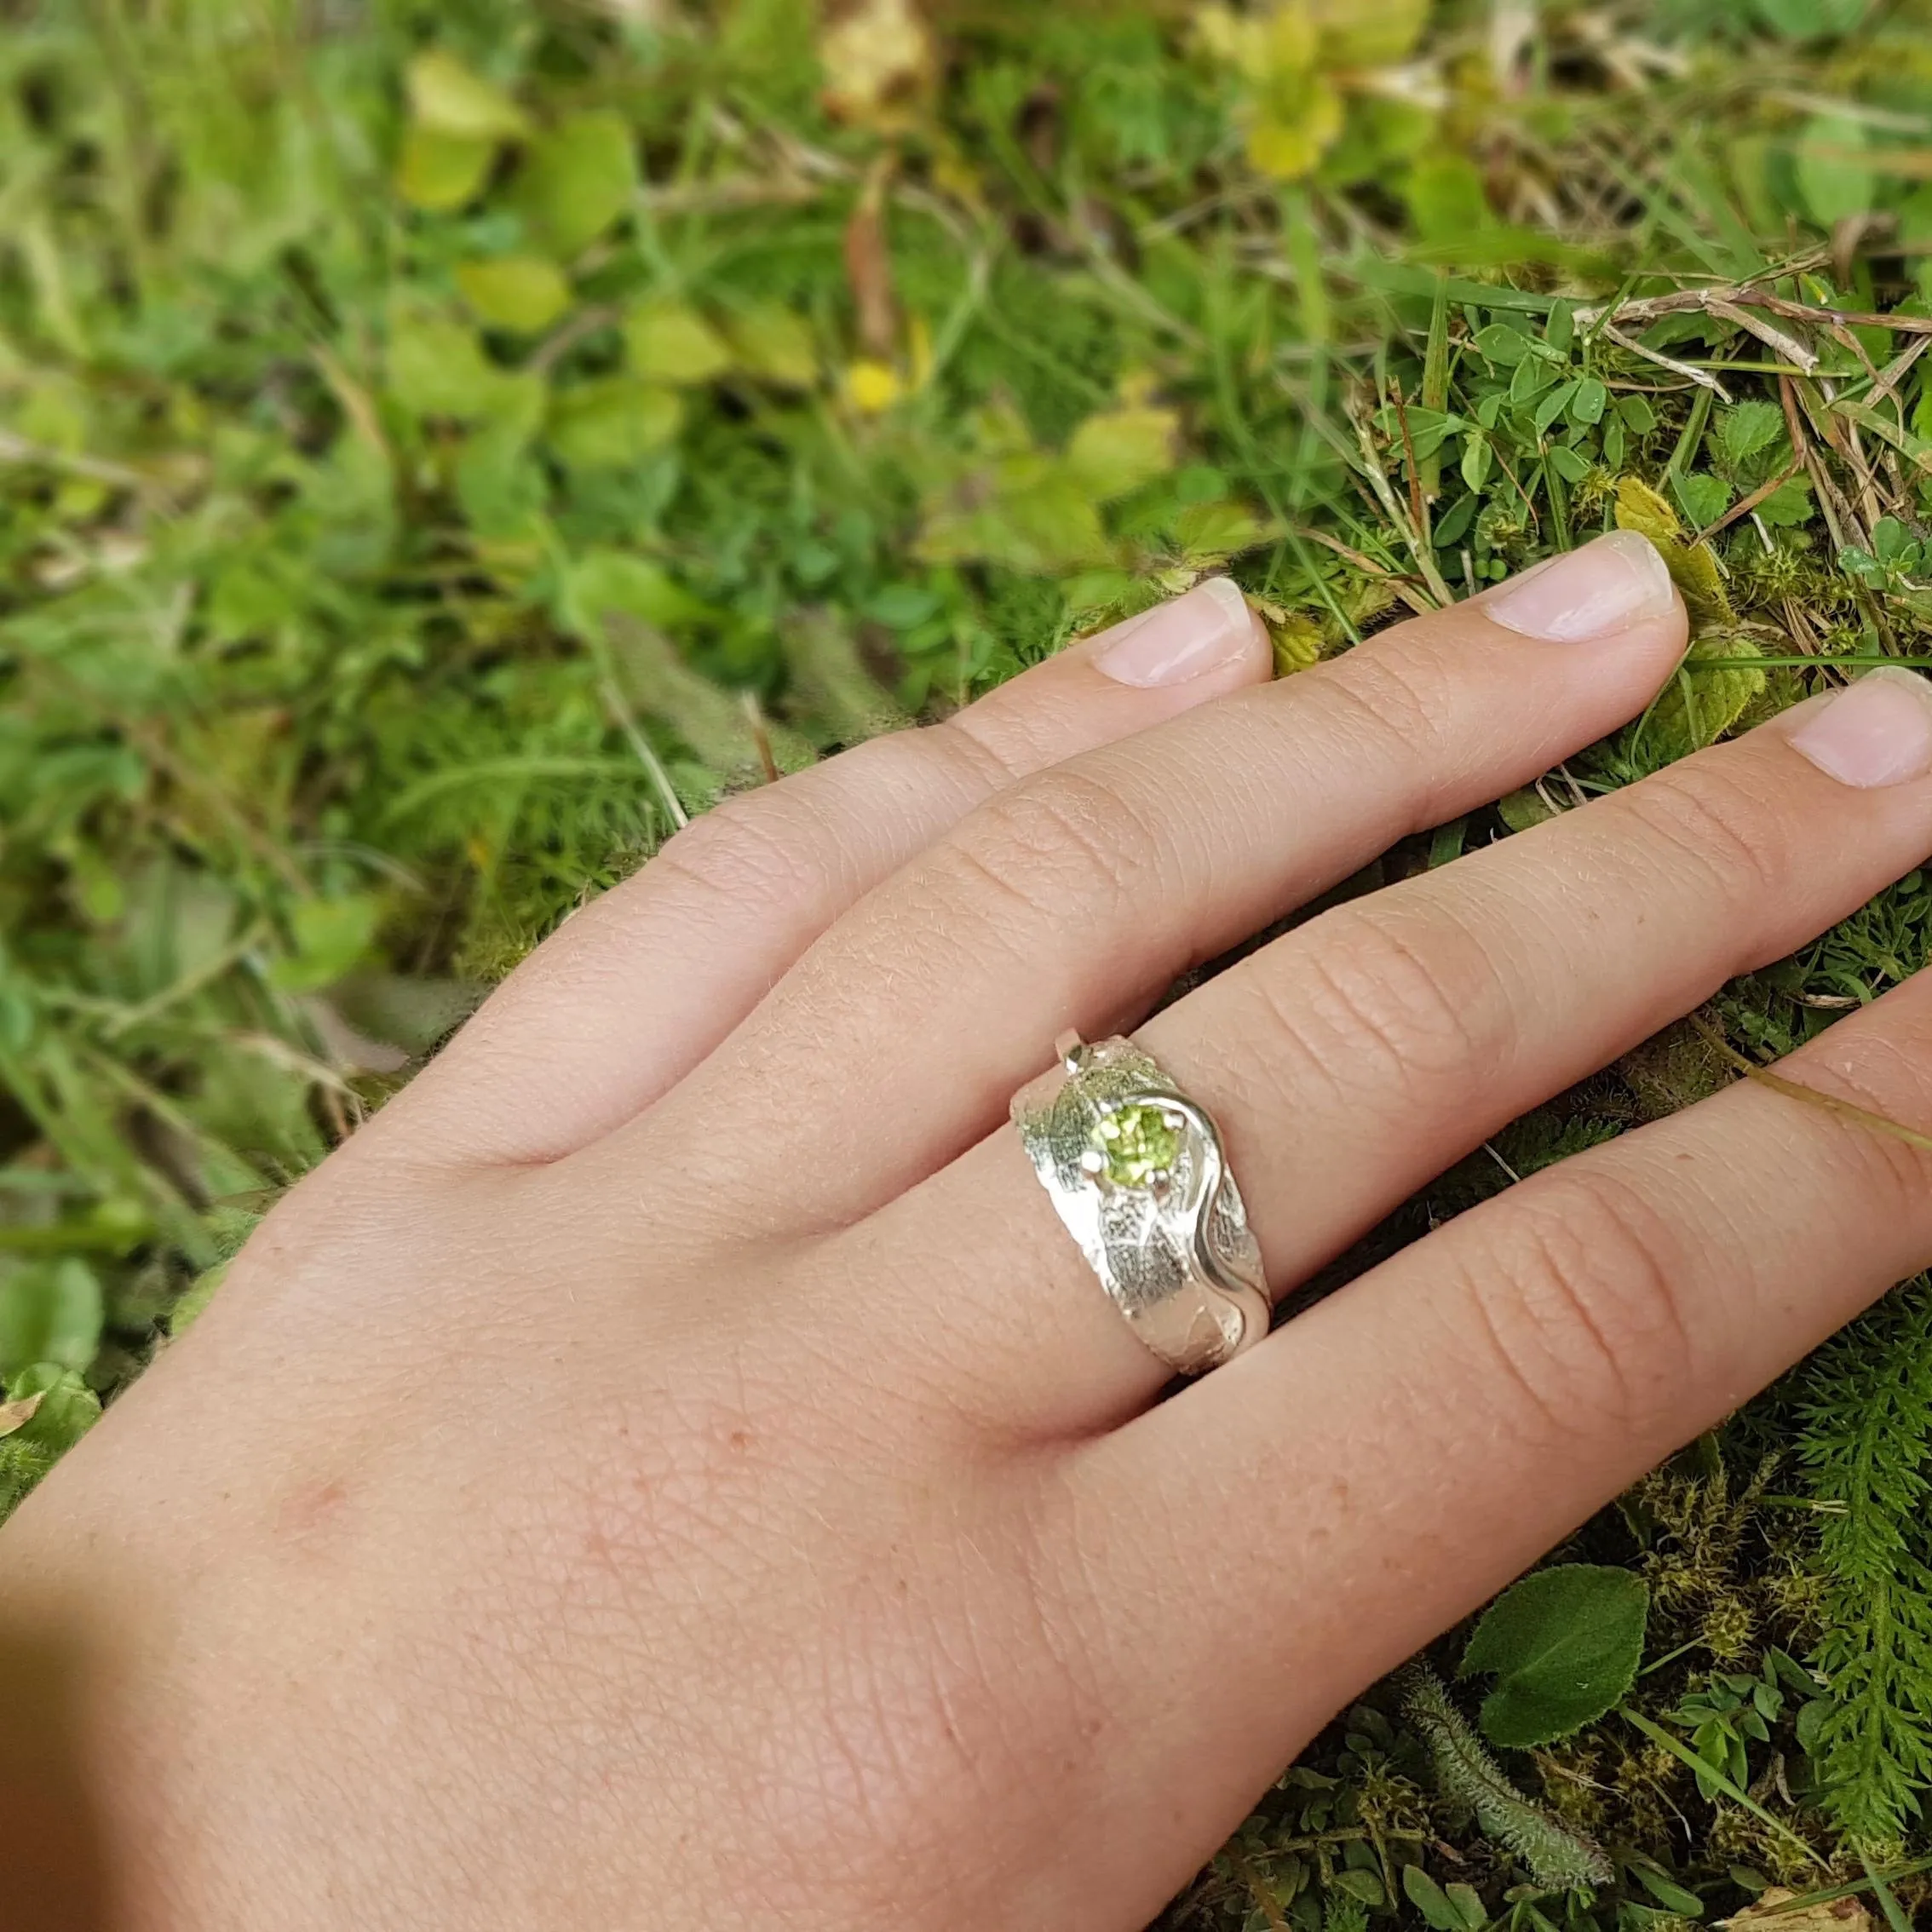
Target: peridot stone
[[1137, 1143]]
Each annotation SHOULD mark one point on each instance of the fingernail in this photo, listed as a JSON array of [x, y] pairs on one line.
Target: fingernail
[[1607, 586], [1175, 641], [1876, 732]]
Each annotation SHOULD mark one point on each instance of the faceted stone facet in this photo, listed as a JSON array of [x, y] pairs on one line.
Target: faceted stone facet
[[1137, 1143]]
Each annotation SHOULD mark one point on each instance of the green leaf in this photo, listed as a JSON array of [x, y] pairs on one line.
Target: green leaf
[[439, 172], [613, 423], [1214, 532], [1502, 343], [1117, 451], [448, 97], [1587, 405], [669, 342], [774, 343], [1363, 1885], [577, 180], [1564, 1646], [332, 936], [606, 581], [50, 1311], [437, 367], [1811, 19], [1666, 1890], [524, 294], [1428, 1898], [1704, 499], [1746, 431], [1789, 507], [1553, 405], [1568, 464], [1893, 544], [1639, 416], [1834, 175]]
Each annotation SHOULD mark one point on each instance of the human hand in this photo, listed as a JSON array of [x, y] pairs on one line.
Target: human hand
[[671, 1467]]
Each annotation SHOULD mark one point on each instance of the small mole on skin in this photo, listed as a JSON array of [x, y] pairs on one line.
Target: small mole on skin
[[740, 1439]]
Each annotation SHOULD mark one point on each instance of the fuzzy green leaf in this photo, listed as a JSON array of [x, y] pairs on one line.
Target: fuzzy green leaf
[[1564, 1646]]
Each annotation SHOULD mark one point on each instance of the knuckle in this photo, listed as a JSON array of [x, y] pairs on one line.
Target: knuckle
[[742, 849], [1069, 837], [1425, 1007], [1704, 809], [1577, 1295], [1393, 701]]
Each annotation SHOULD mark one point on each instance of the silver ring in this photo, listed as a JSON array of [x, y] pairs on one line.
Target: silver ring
[[1137, 1173]]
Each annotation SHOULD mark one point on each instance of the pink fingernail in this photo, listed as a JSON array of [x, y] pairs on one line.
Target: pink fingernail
[[1208, 628], [1878, 732], [1616, 582]]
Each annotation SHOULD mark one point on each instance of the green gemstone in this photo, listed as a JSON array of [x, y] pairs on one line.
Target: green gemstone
[[1137, 1143]]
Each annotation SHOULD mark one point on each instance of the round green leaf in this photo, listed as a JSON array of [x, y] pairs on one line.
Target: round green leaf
[[522, 293], [612, 422], [669, 342], [578, 180], [439, 172], [1564, 1646]]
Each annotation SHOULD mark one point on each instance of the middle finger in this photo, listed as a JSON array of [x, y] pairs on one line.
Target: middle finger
[[1075, 898]]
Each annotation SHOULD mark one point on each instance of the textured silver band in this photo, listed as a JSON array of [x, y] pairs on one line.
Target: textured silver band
[[1137, 1173]]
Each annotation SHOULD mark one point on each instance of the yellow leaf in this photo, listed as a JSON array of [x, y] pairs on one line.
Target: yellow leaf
[[1368, 33], [450, 98], [1772, 1912], [17, 1415], [1116, 453], [522, 293], [1290, 43], [1697, 708], [873, 386], [879, 63], [1223, 34], [919, 352], [669, 342], [1295, 119], [1298, 642], [1693, 566], [439, 172]]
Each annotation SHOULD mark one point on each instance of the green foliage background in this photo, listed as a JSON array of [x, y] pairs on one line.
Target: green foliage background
[[441, 446]]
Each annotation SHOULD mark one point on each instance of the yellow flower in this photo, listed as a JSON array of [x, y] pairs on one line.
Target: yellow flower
[[873, 386]]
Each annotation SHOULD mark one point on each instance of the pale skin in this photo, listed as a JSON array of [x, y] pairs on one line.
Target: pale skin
[[672, 1468]]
